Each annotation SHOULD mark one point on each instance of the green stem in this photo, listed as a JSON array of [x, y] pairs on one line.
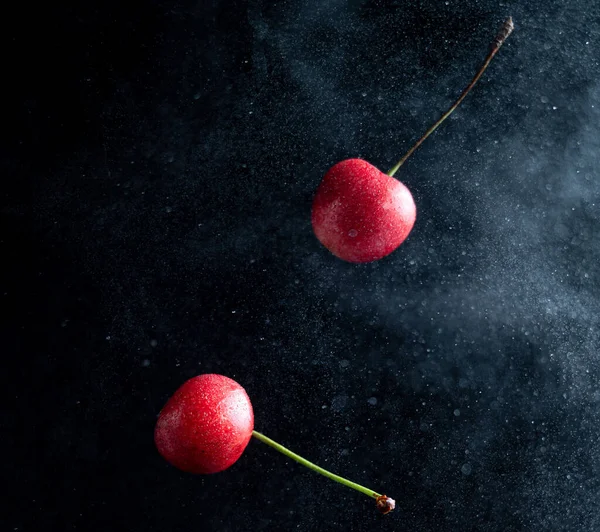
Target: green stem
[[314, 467], [504, 32]]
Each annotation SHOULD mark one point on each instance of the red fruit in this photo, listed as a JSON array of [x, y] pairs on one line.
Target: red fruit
[[361, 214], [206, 425]]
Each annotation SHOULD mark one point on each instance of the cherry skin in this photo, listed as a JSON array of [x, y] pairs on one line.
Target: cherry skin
[[361, 214], [206, 425]]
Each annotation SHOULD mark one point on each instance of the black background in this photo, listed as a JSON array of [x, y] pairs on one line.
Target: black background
[[159, 161]]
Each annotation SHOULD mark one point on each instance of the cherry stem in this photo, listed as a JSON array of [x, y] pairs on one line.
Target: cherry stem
[[502, 35], [384, 503]]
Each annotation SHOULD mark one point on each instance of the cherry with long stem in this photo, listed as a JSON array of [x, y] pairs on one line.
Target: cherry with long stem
[[384, 503], [502, 35]]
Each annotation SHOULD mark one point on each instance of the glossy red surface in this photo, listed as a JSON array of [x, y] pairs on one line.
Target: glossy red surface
[[206, 425], [361, 214]]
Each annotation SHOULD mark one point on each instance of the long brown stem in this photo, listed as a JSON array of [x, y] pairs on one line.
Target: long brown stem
[[502, 35]]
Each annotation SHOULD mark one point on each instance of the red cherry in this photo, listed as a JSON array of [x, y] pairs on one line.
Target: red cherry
[[361, 214], [206, 425]]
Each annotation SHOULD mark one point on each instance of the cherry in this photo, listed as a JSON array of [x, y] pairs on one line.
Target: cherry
[[361, 214], [207, 424]]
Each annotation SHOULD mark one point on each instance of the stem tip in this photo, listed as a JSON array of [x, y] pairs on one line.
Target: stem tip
[[504, 32], [385, 504]]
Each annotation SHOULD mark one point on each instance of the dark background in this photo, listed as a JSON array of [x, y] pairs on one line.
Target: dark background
[[159, 161]]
